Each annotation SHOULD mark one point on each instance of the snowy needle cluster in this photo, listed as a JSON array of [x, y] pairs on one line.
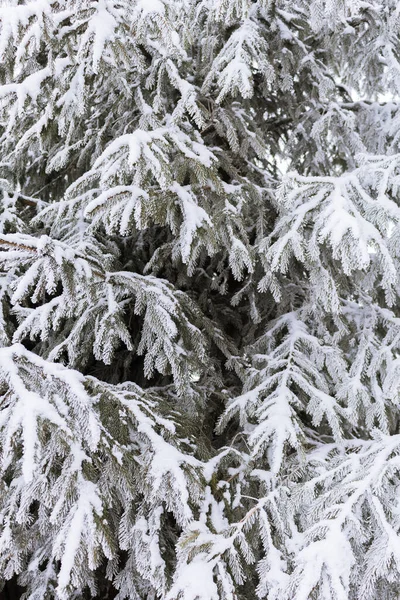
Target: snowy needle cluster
[[200, 299]]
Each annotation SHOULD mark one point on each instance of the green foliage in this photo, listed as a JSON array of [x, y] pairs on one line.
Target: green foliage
[[199, 291]]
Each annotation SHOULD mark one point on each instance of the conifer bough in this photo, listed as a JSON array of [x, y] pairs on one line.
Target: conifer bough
[[199, 299]]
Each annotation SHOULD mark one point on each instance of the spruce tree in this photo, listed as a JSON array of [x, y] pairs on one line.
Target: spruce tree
[[199, 299]]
